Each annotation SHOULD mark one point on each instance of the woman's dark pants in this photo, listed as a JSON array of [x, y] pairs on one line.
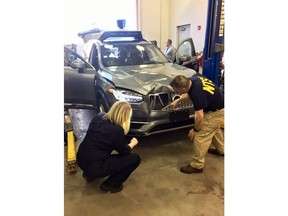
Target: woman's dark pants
[[117, 167]]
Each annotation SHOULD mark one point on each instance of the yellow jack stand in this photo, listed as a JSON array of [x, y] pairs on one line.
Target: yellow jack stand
[[71, 151]]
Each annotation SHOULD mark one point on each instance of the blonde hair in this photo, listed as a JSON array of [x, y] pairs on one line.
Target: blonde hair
[[120, 114]]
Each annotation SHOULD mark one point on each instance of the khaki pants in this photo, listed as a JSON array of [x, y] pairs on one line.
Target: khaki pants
[[210, 133]]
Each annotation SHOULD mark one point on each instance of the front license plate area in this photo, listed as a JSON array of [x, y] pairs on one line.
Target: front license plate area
[[179, 116]]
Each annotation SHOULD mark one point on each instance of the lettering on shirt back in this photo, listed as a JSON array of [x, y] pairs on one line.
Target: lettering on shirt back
[[207, 85]]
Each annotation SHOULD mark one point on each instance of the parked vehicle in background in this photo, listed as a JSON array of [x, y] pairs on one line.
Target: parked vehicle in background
[[121, 65]]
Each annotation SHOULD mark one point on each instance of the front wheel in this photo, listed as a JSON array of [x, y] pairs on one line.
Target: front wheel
[[102, 105]]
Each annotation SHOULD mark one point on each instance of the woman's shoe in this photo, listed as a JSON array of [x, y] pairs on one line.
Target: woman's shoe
[[88, 179], [111, 189]]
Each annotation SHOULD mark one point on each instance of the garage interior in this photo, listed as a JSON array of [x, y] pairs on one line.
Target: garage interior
[[34, 178], [156, 187]]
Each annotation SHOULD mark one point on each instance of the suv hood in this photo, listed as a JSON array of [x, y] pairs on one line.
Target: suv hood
[[145, 78]]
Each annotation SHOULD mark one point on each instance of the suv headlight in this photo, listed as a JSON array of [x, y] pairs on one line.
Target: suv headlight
[[128, 96]]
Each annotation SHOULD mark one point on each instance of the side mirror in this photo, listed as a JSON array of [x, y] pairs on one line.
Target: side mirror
[[184, 58], [72, 57], [77, 64]]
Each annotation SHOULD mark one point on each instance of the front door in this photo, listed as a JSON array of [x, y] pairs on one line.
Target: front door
[[79, 90], [186, 49]]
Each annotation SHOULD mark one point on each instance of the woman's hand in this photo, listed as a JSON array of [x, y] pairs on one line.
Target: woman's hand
[[133, 142]]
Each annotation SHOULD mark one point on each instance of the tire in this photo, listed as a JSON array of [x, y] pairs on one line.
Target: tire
[[102, 105]]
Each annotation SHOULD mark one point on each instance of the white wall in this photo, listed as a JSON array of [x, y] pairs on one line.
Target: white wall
[[87, 14], [158, 20], [153, 20], [193, 12]]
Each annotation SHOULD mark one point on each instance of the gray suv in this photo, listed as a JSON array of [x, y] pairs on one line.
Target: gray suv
[[121, 65]]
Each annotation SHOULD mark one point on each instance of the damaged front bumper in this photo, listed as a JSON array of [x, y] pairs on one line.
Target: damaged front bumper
[[171, 120], [155, 115]]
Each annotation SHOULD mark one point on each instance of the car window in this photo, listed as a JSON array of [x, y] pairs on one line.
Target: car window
[[185, 49], [130, 54], [70, 56]]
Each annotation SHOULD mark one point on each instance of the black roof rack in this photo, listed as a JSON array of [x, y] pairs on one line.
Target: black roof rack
[[137, 35]]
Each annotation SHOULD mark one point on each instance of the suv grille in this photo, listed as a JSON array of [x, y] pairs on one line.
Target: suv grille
[[161, 101]]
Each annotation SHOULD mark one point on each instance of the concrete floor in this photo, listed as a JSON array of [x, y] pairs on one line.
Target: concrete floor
[[156, 187]]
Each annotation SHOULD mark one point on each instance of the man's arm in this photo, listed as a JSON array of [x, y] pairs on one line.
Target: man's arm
[[182, 98], [199, 117]]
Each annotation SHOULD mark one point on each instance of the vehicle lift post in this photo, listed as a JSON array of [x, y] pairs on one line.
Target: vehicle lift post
[[71, 150], [214, 40]]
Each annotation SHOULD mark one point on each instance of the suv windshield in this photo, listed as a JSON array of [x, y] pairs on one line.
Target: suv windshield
[[131, 54]]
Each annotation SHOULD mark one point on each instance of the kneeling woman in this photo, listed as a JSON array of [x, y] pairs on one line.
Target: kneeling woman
[[107, 132]]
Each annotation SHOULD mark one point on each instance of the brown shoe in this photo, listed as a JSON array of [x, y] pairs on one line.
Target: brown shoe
[[215, 152], [189, 169]]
